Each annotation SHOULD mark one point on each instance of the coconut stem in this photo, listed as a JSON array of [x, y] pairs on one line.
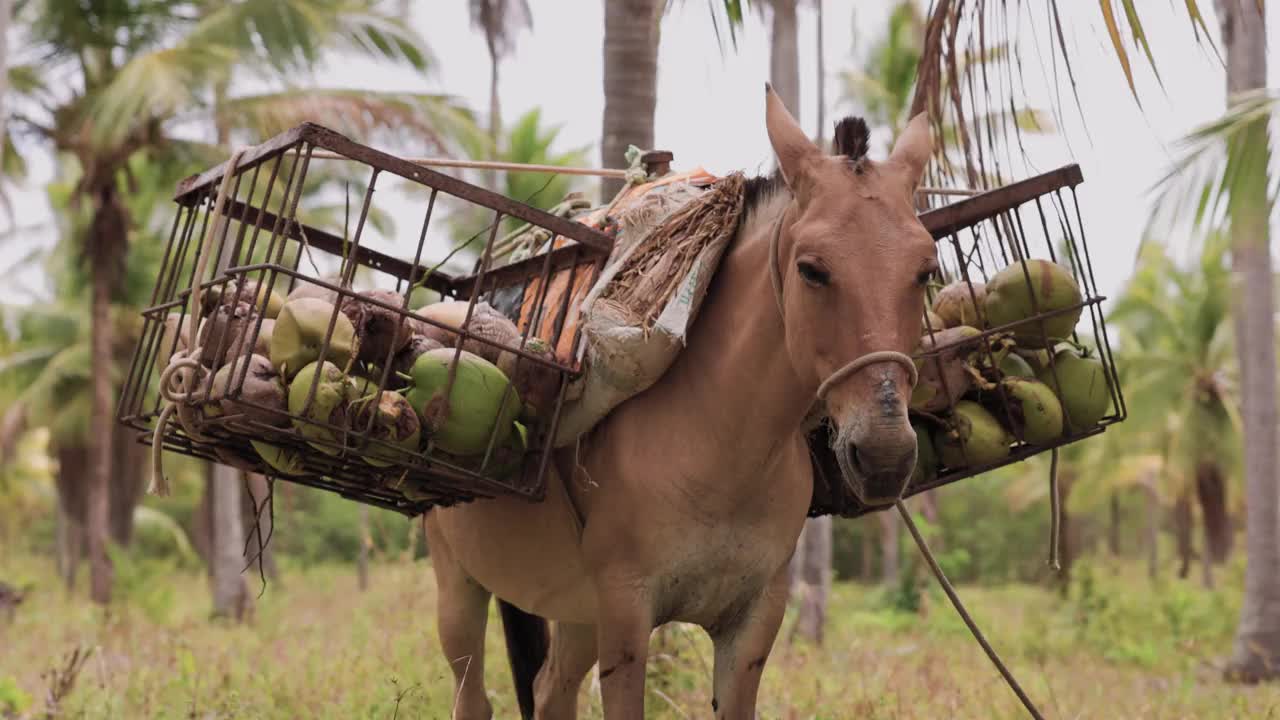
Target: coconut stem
[[1055, 512]]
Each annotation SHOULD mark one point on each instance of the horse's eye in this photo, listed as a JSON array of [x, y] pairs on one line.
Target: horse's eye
[[813, 274], [923, 277]]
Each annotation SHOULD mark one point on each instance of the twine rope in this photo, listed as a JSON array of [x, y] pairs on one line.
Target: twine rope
[[178, 380]]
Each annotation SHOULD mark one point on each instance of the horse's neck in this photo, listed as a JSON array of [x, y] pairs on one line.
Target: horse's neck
[[734, 383]]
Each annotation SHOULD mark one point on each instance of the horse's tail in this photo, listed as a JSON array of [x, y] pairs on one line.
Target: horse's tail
[[527, 642]]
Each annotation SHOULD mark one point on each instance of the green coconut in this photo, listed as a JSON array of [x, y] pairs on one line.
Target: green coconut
[[402, 363], [926, 468], [1033, 412], [943, 377], [298, 336], [972, 437], [331, 405], [285, 460], [394, 422], [955, 304], [1011, 299], [1013, 365], [259, 396], [1081, 386], [481, 401], [308, 289]]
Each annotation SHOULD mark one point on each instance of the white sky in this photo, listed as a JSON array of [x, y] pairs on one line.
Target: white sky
[[710, 107]]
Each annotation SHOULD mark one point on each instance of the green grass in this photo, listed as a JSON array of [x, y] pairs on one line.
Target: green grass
[[319, 648]]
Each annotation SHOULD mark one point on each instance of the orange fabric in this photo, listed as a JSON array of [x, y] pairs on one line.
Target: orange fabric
[[584, 273]]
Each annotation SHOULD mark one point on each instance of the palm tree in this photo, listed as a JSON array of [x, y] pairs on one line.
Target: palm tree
[[631, 35], [500, 21], [137, 69]]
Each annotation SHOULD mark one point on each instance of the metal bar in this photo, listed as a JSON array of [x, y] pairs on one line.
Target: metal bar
[[959, 215], [189, 188]]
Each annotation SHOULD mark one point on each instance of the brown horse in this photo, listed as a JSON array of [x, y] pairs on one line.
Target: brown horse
[[685, 503]]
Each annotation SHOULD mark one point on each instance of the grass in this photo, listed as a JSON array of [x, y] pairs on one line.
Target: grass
[[317, 647]]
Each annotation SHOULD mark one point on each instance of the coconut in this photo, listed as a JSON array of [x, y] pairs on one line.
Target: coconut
[[245, 290], [261, 344], [231, 457], [402, 363], [972, 437], [1013, 365], [307, 289], [394, 422], [481, 401], [943, 377], [932, 321], [260, 397], [537, 385], [226, 328], [1028, 408], [1010, 299], [379, 332], [926, 468], [485, 323], [1081, 386], [285, 460], [955, 304], [330, 405], [299, 334]]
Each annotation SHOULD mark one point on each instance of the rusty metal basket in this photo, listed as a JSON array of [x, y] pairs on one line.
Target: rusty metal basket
[[1034, 219], [269, 237]]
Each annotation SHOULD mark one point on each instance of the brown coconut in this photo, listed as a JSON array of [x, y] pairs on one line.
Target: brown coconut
[[261, 395], [224, 329], [379, 331], [537, 385], [485, 322], [246, 290], [307, 289], [943, 377], [402, 363], [955, 304]]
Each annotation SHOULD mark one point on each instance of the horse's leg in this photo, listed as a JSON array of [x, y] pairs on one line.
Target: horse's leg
[[743, 648], [461, 614], [573, 652], [626, 622]]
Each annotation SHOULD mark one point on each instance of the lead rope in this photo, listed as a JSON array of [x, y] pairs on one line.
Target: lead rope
[[178, 379], [775, 277]]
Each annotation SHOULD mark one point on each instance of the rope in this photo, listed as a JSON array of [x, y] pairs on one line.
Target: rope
[[178, 378], [964, 614]]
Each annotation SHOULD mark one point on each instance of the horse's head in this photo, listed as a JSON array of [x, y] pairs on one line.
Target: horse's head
[[852, 263]]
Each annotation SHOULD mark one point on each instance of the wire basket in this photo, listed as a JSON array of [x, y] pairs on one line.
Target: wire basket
[[1014, 341], [319, 396]]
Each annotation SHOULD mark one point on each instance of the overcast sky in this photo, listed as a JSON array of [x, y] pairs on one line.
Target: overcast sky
[[710, 108]]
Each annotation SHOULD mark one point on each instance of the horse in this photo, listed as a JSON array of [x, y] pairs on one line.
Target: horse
[[685, 502]]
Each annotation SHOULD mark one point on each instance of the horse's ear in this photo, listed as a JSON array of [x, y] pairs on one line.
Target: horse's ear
[[794, 149], [913, 149]]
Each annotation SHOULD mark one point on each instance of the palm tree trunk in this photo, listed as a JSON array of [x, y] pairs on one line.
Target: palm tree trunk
[[1211, 491], [631, 35], [822, 79], [1153, 527], [1113, 531], [101, 429], [128, 478], [1067, 544], [784, 54], [231, 596], [867, 571], [1182, 531], [362, 560], [73, 468], [1257, 646], [815, 579], [495, 117]]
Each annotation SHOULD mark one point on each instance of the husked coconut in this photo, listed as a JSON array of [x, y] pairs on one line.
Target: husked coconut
[[308, 289], [225, 328], [485, 323], [955, 304], [245, 290], [536, 384], [402, 363], [379, 332], [943, 377], [260, 397], [299, 332], [394, 422]]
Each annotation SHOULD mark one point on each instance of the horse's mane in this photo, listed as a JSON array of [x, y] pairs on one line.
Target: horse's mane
[[852, 138]]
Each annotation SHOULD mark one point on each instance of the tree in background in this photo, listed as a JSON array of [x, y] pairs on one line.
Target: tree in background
[[500, 21], [141, 69], [631, 37]]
